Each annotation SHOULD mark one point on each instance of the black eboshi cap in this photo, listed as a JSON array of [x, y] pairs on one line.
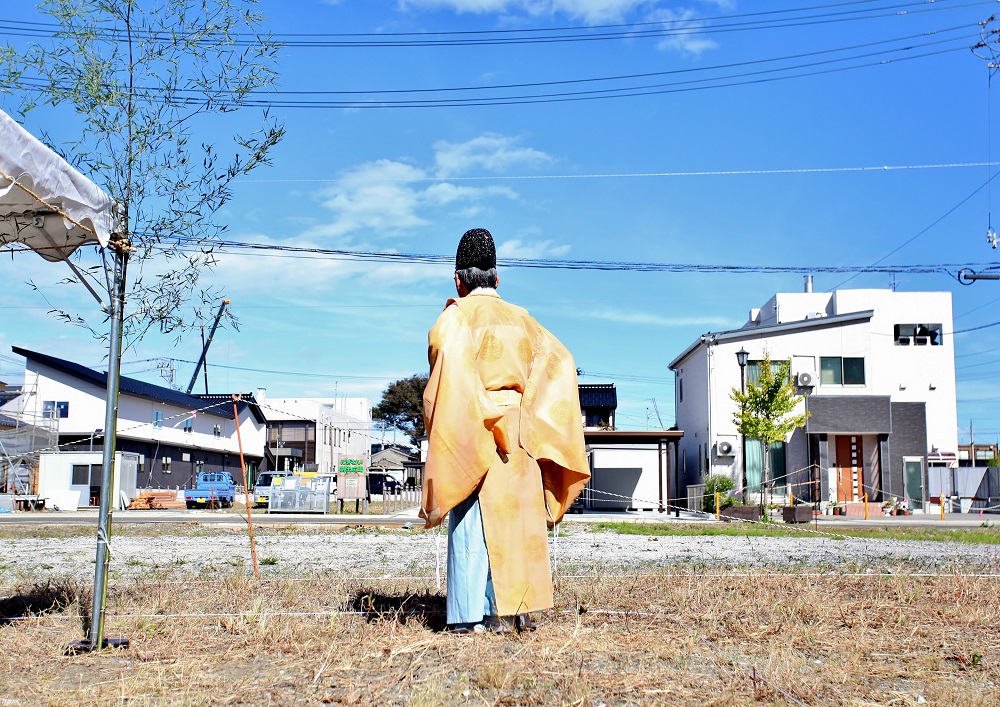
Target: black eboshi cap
[[476, 250]]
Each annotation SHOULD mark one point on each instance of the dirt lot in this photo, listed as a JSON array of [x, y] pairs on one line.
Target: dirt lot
[[640, 620]]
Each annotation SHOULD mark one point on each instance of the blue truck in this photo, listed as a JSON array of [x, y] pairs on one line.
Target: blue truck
[[214, 488]]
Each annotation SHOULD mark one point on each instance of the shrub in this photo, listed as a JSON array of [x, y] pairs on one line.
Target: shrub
[[717, 483]]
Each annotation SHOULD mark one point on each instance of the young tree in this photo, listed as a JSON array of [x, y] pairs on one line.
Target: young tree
[[765, 411], [402, 406], [143, 80]]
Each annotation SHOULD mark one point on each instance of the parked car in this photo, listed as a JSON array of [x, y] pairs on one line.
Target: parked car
[[262, 489], [212, 488], [380, 483]]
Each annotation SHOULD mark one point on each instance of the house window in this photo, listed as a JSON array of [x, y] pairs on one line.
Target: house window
[[917, 334], [52, 409], [81, 475], [753, 369], [87, 474], [680, 388], [188, 425], [157, 418], [217, 431], [982, 454], [835, 370]]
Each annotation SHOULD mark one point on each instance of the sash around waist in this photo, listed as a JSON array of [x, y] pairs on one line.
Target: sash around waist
[[504, 397]]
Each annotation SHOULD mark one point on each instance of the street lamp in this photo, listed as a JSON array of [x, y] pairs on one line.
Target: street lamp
[[95, 433], [742, 357]]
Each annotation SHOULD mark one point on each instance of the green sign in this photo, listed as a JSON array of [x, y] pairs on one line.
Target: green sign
[[352, 466]]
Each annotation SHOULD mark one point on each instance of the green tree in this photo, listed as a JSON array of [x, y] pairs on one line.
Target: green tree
[[402, 406], [765, 411], [143, 80]]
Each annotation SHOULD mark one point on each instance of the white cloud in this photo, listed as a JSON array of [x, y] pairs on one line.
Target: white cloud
[[389, 198], [541, 249], [598, 12], [591, 11], [689, 40], [490, 152], [379, 196]]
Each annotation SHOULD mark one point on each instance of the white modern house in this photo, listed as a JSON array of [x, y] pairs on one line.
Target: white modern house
[[168, 436], [314, 434], [878, 370]]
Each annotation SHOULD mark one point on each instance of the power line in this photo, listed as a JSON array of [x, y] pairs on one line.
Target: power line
[[633, 175], [181, 96], [630, 31], [924, 230], [570, 264]]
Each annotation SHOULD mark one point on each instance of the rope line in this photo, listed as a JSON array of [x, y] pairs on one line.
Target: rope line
[[119, 432], [48, 205]]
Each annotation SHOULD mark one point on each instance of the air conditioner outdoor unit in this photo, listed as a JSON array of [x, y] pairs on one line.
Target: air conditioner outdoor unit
[[805, 379], [724, 448]]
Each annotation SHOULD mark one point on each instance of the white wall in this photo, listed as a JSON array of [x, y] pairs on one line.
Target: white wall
[[629, 470], [55, 477], [693, 411]]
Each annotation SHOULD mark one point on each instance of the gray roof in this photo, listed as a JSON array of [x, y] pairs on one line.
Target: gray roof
[[600, 395], [753, 332]]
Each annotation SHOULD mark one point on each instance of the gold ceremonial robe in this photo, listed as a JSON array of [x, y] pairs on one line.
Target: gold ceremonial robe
[[502, 414]]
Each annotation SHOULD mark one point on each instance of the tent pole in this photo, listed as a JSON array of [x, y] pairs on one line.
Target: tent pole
[[110, 439]]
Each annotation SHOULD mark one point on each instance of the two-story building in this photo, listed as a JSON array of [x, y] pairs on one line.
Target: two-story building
[[171, 436], [878, 371], [314, 434]]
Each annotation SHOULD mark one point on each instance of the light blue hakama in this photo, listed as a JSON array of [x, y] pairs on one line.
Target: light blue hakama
[[470, 585]]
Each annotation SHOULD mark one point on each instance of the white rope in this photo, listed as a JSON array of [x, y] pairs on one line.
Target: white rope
[[102, 536], [555, 551], [437, 554]]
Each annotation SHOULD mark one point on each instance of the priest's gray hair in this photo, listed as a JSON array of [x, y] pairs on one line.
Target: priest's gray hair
[[474, 278]]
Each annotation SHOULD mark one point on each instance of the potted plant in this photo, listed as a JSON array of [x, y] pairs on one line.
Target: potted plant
[[835, 508]]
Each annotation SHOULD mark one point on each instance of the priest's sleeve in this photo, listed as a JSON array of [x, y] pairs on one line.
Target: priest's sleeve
[[551, 424], [459, 418]]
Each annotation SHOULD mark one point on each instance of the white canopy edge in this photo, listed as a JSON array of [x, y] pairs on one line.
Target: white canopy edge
[[44, 182]]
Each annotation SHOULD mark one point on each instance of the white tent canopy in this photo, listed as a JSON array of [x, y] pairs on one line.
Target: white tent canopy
[[45, 203]]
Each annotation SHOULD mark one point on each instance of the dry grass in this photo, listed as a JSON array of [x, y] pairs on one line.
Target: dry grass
[[723, 638]]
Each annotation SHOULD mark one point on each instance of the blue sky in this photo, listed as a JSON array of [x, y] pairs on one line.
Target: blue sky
[[739, 168]]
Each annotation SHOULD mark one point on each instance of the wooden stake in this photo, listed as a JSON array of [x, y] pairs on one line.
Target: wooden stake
[[246, 486]]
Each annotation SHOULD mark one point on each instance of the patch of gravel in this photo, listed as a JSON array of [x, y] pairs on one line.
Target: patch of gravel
[[387, 553]]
